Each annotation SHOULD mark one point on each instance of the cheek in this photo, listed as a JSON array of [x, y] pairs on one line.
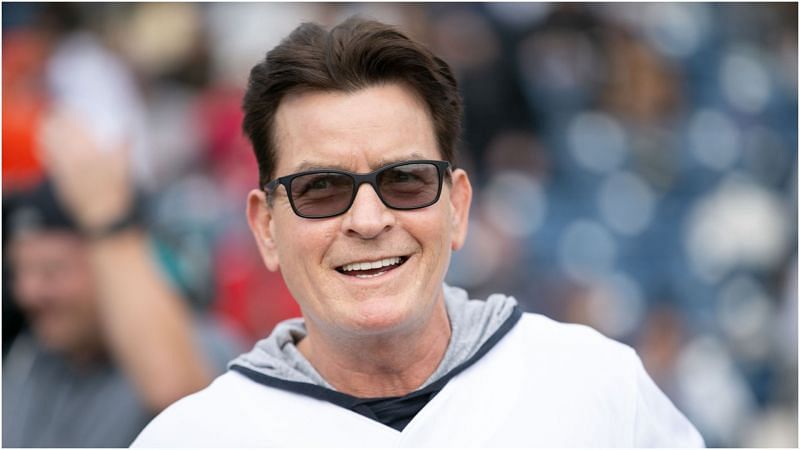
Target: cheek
[[23, 286], [441, 226], [302, 246], [433, 231], [301, 238]]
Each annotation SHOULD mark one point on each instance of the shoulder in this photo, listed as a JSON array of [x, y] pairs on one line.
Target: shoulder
[[572, 343], [237, 411], [543, 357], [574, 363], [205, 418], [580, 360]]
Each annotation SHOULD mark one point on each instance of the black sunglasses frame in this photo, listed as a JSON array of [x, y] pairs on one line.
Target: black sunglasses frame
[[442, 169]]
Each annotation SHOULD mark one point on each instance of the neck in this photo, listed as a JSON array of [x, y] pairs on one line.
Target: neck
[[382, 366], [84, 357]]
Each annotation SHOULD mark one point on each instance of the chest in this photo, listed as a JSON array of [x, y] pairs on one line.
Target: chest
[[503, 400]]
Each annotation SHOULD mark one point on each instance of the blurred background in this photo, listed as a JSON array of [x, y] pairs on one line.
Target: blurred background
[[634, 165]]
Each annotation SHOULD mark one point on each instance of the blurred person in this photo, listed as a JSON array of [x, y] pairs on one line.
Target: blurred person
[[111, 343], [360, 206]]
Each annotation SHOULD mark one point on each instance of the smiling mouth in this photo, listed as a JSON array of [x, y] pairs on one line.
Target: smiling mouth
[[369, 269]]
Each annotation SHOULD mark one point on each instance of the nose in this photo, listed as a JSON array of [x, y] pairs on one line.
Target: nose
[[368, 217]]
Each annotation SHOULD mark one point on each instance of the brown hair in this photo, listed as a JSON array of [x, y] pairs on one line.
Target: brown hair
[[355, 54]]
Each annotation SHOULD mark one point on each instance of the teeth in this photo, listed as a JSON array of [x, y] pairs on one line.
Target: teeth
[[369, 276], [371, 264]]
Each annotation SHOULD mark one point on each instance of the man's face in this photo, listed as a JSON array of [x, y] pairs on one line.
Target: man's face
[[360, 132], [54, 287]]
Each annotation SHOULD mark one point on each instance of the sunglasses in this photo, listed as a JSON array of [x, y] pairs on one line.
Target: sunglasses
[[318, 194]]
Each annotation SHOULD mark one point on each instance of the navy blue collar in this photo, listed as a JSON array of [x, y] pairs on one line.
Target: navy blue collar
[[395, 412]]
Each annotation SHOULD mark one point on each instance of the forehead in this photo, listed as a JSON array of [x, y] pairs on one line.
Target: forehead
[[352, 130]]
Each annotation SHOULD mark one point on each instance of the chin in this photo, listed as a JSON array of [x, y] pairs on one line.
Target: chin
[[60, 337], [380, 318], [55, 342]]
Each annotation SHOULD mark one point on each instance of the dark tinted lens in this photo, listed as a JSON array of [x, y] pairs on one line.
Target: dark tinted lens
[[410, 185], [322, 194]]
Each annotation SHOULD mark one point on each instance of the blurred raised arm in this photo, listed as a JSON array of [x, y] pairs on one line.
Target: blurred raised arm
[[147, 324]]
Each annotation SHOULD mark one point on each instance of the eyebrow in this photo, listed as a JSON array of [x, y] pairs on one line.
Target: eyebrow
[[311, 165]]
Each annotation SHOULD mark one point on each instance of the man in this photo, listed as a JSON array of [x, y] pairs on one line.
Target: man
[[111, 343], [354, 131]]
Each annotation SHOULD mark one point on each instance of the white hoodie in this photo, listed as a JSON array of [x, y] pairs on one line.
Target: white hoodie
[[508, 379]]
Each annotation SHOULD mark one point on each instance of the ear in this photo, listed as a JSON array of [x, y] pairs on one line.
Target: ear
[[460, 200], [259, 217]]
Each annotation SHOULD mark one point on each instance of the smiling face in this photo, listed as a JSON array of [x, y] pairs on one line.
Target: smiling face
[[372, 270]]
